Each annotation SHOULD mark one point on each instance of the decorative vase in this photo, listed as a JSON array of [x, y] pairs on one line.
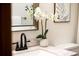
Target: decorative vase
[[44, 43]]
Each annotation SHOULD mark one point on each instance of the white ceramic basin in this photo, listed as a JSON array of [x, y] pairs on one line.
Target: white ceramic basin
[[43, 51], [36, 53]]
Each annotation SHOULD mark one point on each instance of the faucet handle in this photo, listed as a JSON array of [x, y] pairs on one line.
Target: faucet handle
[[28, 41], [17, 46], [14, 43]]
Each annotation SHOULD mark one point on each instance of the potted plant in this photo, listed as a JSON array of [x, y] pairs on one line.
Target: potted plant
[[43, 39], [42, 17], [43, 35]]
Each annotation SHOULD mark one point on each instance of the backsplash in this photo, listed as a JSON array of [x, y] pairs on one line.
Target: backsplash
[[29, 36]]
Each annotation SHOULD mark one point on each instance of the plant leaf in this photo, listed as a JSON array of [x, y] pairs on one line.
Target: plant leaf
[[45, 32], [39, 36]]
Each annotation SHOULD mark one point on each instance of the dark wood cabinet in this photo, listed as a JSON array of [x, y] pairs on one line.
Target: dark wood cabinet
[[5, 29]]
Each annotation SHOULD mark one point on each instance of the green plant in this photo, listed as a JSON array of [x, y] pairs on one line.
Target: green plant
[[43, 36]]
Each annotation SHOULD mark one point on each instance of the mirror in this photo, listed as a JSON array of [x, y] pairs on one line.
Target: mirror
[[23, 16]]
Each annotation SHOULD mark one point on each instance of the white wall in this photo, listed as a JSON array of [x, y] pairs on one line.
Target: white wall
[[59, 33], [78, 31], [78, 27]]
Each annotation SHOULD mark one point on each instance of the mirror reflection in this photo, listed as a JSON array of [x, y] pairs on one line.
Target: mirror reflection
[[23, 15]]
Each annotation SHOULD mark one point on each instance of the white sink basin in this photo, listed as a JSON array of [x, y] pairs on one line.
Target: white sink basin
[[43, 51], [36, 53]]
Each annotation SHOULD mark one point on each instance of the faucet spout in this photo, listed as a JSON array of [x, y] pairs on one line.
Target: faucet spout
[[21, 41], [23, 45]]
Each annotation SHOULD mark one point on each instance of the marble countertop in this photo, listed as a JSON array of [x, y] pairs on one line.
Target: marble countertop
[[50, 50]]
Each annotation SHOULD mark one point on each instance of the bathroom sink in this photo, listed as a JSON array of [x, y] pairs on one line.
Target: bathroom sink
[[23, 51], [36, 53], [67, 46], [33, 51], [44, 51]]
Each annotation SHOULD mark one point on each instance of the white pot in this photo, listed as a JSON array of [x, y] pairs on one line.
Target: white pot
[[44, 43]]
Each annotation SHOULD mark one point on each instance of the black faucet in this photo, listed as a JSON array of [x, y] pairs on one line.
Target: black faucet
[[22, 45]]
